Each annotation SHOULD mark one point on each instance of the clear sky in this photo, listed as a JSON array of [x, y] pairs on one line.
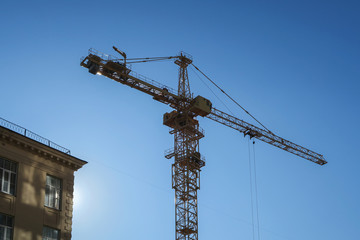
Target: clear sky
[[295, 65]]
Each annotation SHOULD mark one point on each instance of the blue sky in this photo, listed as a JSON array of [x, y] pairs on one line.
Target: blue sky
[[295, 65]]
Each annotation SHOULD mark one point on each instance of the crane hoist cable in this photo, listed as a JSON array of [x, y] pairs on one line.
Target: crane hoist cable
[[253, 188], [251, 193], [256, 192], [231, 98]]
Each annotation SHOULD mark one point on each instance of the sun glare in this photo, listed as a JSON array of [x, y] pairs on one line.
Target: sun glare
[[77, 198]]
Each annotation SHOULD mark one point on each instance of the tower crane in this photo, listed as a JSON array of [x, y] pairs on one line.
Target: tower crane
[[185, 128]]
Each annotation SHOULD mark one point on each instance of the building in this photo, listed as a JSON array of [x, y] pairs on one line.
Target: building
[[36, 186]]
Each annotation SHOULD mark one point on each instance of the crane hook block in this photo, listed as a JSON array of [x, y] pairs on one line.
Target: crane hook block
[[201, 106]]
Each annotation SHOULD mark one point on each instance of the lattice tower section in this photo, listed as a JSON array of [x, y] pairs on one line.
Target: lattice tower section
[[187, 164]]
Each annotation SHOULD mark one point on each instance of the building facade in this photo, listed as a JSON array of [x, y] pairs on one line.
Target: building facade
[[36, 186]]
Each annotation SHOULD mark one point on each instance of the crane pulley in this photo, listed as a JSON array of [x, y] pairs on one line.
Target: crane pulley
[[185, 128]]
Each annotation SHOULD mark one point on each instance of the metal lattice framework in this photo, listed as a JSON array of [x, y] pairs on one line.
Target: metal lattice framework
[[186, 168], [265, 136], [187, 133]]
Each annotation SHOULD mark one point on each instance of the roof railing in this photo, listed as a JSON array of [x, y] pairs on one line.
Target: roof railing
[[29, 134]]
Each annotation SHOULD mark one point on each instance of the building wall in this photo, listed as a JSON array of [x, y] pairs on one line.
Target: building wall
[[35, 162]]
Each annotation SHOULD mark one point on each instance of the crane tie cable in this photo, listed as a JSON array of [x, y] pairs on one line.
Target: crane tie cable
[[231, 98]]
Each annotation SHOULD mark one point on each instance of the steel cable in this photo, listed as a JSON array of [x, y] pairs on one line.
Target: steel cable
[[231, 98], [256, 193], [251, 191]]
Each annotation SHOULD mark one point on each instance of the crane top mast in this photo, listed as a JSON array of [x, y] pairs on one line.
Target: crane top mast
[[184, 85]]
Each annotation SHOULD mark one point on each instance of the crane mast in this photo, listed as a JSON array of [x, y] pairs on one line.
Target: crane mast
[[187, 164], [186, 130]]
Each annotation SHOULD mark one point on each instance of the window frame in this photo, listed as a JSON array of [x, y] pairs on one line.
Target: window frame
[[51, 229], [52, 204], [11, 171], [6, 227]]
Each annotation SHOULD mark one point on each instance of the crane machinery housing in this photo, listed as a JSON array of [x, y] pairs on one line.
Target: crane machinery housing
[[185, 128]]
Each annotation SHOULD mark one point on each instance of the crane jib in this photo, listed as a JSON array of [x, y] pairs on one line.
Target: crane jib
[[168, 96], [265, 136]]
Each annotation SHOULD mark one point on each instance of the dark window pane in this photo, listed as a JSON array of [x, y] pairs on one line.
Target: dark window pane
[[50, 233], [54, 234], [14, 167], [2, 232], [7, 165], [2, 219], [9, 234], [1, 176], [12, 189], [13, 178], [9, 221]]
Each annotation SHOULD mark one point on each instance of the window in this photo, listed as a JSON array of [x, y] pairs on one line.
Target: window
[[8, 171], [6, 227], [50, 233], [53, 192]]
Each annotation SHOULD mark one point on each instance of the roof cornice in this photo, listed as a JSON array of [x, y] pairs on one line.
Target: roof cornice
[[46, 152]]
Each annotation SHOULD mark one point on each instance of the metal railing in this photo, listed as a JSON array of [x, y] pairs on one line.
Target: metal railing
[[171, 153], [153, 82], [102, 55], [29, 134], [108, 57]]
